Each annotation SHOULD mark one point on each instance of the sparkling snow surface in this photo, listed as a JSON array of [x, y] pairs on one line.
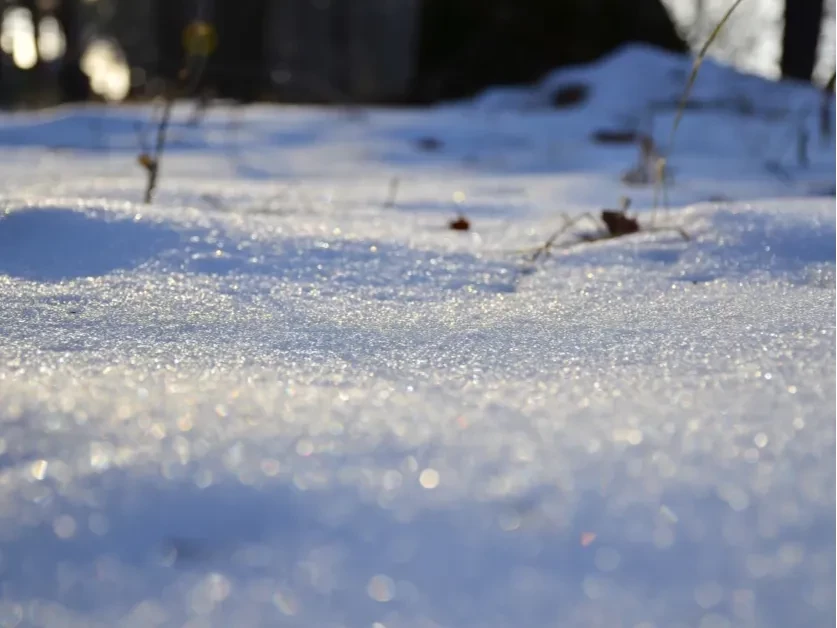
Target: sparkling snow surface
[[270, 400]]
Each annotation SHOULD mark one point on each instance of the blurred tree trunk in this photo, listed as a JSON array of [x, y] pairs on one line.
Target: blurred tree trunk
[[801, 36], [468, 45], [239, 65], [36, 85], [72, 81]]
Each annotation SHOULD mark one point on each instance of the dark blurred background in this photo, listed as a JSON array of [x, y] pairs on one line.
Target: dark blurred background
[[375, 51]]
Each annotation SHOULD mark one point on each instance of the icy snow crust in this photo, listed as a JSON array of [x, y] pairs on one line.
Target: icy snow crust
[[270, 400]]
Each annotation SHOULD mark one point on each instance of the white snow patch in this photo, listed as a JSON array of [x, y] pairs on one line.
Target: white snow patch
[[269, 399]]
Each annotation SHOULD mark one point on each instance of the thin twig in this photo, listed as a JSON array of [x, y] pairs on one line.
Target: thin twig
[[191, 75], [153, 165], [662, 162], [695, 68]]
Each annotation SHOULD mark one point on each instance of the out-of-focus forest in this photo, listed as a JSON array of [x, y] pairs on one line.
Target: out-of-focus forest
[[374, 51]]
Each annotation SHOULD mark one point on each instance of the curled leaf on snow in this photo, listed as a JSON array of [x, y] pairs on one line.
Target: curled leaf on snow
[[618, 223], [610, 223], [460, 224]]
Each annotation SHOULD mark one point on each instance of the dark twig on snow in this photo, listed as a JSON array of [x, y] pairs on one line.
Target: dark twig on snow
[[616, 224], [199, 38], [152, 163]]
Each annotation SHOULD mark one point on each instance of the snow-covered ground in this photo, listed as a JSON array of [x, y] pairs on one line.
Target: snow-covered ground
[[273, 399]]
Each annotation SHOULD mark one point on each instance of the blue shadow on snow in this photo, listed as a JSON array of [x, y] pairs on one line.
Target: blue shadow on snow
[[60, 244], [56, 244]]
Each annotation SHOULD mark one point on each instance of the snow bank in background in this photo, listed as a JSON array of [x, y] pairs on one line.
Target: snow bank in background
[[636, 78], [271, 399], [639, 88]]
